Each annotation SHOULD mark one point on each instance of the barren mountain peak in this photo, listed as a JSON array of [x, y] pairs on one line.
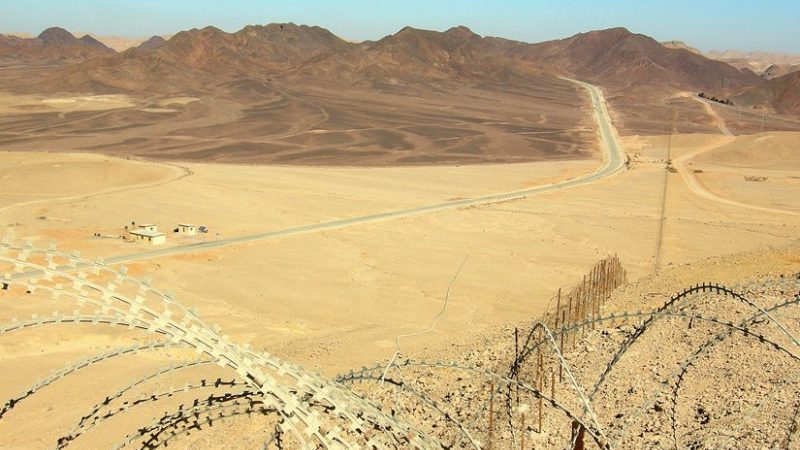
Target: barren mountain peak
[[285, 25], [88, 40], [619, 31], [607, 36], [461, 30], [209, 29], [407, 29], [152, 43], [56, 35], [198, 32]]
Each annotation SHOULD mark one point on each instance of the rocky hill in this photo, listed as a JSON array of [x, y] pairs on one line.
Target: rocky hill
[[781, 94], [617, 58]]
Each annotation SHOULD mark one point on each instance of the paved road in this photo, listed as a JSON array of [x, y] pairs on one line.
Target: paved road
[[613, 161]]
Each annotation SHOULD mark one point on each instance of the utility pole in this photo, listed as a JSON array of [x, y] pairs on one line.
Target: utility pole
[[674, 115]]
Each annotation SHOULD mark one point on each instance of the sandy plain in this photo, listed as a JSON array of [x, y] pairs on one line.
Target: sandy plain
[[362, 286]]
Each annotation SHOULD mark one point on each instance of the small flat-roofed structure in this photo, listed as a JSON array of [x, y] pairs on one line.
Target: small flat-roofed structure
[[147, 226], [187, 228], [151, 237]]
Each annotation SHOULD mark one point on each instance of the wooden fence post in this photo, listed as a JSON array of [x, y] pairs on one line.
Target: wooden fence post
[[561, 349], [491, 415], [558, 308], [516, 360], [584, 297], [597, 280], [541, 388]]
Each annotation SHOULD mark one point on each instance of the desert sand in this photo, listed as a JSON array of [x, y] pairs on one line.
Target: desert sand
[[366, 284]]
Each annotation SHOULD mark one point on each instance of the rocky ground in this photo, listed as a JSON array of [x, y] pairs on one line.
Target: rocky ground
[[714, 369]]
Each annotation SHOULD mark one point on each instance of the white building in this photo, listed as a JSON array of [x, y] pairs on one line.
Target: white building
[[147, 227], [187, 229], [151, 237]]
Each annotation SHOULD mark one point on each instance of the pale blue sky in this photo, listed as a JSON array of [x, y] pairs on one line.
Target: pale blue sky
[[707, 24]]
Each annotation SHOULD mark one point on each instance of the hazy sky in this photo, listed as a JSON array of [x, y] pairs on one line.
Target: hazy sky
[[770, 25]]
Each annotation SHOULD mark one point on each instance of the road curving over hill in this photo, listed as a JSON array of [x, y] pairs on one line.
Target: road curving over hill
[[613, 162]]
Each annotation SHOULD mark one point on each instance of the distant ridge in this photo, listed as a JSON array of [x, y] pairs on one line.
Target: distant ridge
[[191, 59], [117, 43], [52, 45], [614, 58], [767, 65], [760, 57]]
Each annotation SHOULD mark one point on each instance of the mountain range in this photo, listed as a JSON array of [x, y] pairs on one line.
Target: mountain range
[[613, 58], [195, 60]]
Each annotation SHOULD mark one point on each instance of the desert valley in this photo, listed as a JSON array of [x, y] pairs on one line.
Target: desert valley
[[279, 238]]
